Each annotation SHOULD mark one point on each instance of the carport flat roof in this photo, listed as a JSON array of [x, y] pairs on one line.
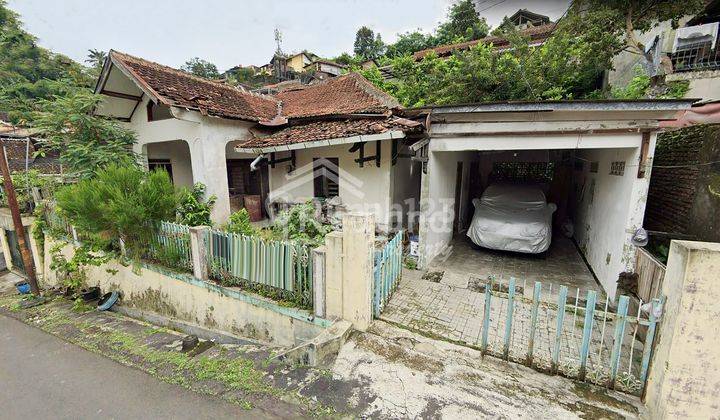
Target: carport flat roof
[[565, 105]]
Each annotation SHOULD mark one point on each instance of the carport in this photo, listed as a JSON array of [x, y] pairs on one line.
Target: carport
[[594, 158]]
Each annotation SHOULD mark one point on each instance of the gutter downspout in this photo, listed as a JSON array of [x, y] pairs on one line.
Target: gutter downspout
[[256, 162]]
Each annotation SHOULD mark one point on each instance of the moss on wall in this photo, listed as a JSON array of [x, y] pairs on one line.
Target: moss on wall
[[680, 199]]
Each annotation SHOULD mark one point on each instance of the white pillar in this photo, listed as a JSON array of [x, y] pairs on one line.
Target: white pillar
[[334, 275], [318, 259], [358, 246], [207, 156], [685, 371], [198, 249]]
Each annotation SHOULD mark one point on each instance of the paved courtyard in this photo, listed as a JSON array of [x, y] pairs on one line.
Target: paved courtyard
[[465, 264], [451, 306]]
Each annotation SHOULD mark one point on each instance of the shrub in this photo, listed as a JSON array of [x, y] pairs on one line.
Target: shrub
[[122, 202], [240, 223], [299, 223], [192, 208], [24, 182]]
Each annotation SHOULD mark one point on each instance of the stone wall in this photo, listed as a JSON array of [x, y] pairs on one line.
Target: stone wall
[[679, 199]]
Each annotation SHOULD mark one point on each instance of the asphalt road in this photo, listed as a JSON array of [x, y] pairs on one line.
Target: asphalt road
[[43, 377]]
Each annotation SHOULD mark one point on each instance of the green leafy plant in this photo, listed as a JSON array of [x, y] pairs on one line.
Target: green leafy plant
[[240, 223], [72, 272], [86, 142], [410, 262], [24, 182], [120, 203], [193, 209], [300, 224], [171, 254]]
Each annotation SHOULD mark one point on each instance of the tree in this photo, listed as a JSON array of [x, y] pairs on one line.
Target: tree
[[122, 202], [85, 142], [463, 24], [27, 71], [410, 42], [347, 59], [201, 68], [96, 59], [624, 18], [566, 66], [368, 45]]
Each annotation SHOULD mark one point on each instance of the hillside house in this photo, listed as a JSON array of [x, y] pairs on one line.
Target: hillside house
[[192, 127]]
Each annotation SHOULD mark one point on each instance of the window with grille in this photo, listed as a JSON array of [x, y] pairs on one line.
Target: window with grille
[[326, 179], [617, 168]]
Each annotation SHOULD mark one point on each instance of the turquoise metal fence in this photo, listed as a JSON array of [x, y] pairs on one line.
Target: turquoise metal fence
[[578, 336], [171, 246], [584, 335], [386, 272], [276, 267]]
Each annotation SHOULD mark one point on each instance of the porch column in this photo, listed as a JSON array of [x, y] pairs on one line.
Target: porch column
[[207, 156], [685, 369]]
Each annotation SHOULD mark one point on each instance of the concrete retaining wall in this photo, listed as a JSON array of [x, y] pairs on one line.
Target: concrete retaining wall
[[181, 296]]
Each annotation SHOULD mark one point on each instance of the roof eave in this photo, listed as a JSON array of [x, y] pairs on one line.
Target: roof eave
[[388, 135], [548, 106]]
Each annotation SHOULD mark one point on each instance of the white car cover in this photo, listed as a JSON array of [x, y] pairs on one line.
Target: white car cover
[[512, 218]]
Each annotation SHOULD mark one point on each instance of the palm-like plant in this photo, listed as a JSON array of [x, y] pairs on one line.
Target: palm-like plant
[[96, 58]]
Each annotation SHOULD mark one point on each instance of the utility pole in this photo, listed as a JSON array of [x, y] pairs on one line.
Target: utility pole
[[17, 221]]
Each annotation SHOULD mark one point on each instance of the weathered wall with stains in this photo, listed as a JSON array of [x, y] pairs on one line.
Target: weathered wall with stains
[[680, 199], [684, 380], [609, 208], [182, 297], [366, 189]]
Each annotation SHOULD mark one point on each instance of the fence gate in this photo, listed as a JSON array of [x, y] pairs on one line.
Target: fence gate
[[386, 272], [582, 336]]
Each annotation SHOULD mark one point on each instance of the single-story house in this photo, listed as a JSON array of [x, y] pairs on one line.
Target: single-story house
[[194, 128], [346, 141], [595, 158]]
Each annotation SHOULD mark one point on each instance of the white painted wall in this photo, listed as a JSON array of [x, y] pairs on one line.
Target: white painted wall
[[603, 225], [704, 84], [207, 139], [365, 189], [438, 206], [609, 212], [178, 153], [405, 192]]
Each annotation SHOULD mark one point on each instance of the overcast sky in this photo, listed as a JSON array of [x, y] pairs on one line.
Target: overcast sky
[[232, 32]]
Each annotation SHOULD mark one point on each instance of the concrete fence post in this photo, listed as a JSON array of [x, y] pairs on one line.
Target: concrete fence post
[[198, 249], [684, 374], [318, 261], [358, 237], [334, 275]]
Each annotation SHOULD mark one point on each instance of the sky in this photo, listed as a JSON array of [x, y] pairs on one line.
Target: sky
[[234, 32]]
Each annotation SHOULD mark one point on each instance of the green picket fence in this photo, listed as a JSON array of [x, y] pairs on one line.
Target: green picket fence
[[387, 270], [170, 246], [278, 269]]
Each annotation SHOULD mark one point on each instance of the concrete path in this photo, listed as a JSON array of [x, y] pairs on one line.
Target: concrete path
[[44, 377]]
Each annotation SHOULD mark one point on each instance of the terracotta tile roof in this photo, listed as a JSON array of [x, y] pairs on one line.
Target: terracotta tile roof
[[536, 33], [332, 129], [347, 94], [16, 149], [177, 88]]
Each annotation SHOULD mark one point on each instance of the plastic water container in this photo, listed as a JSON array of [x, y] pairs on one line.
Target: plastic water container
[[414, 246]]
